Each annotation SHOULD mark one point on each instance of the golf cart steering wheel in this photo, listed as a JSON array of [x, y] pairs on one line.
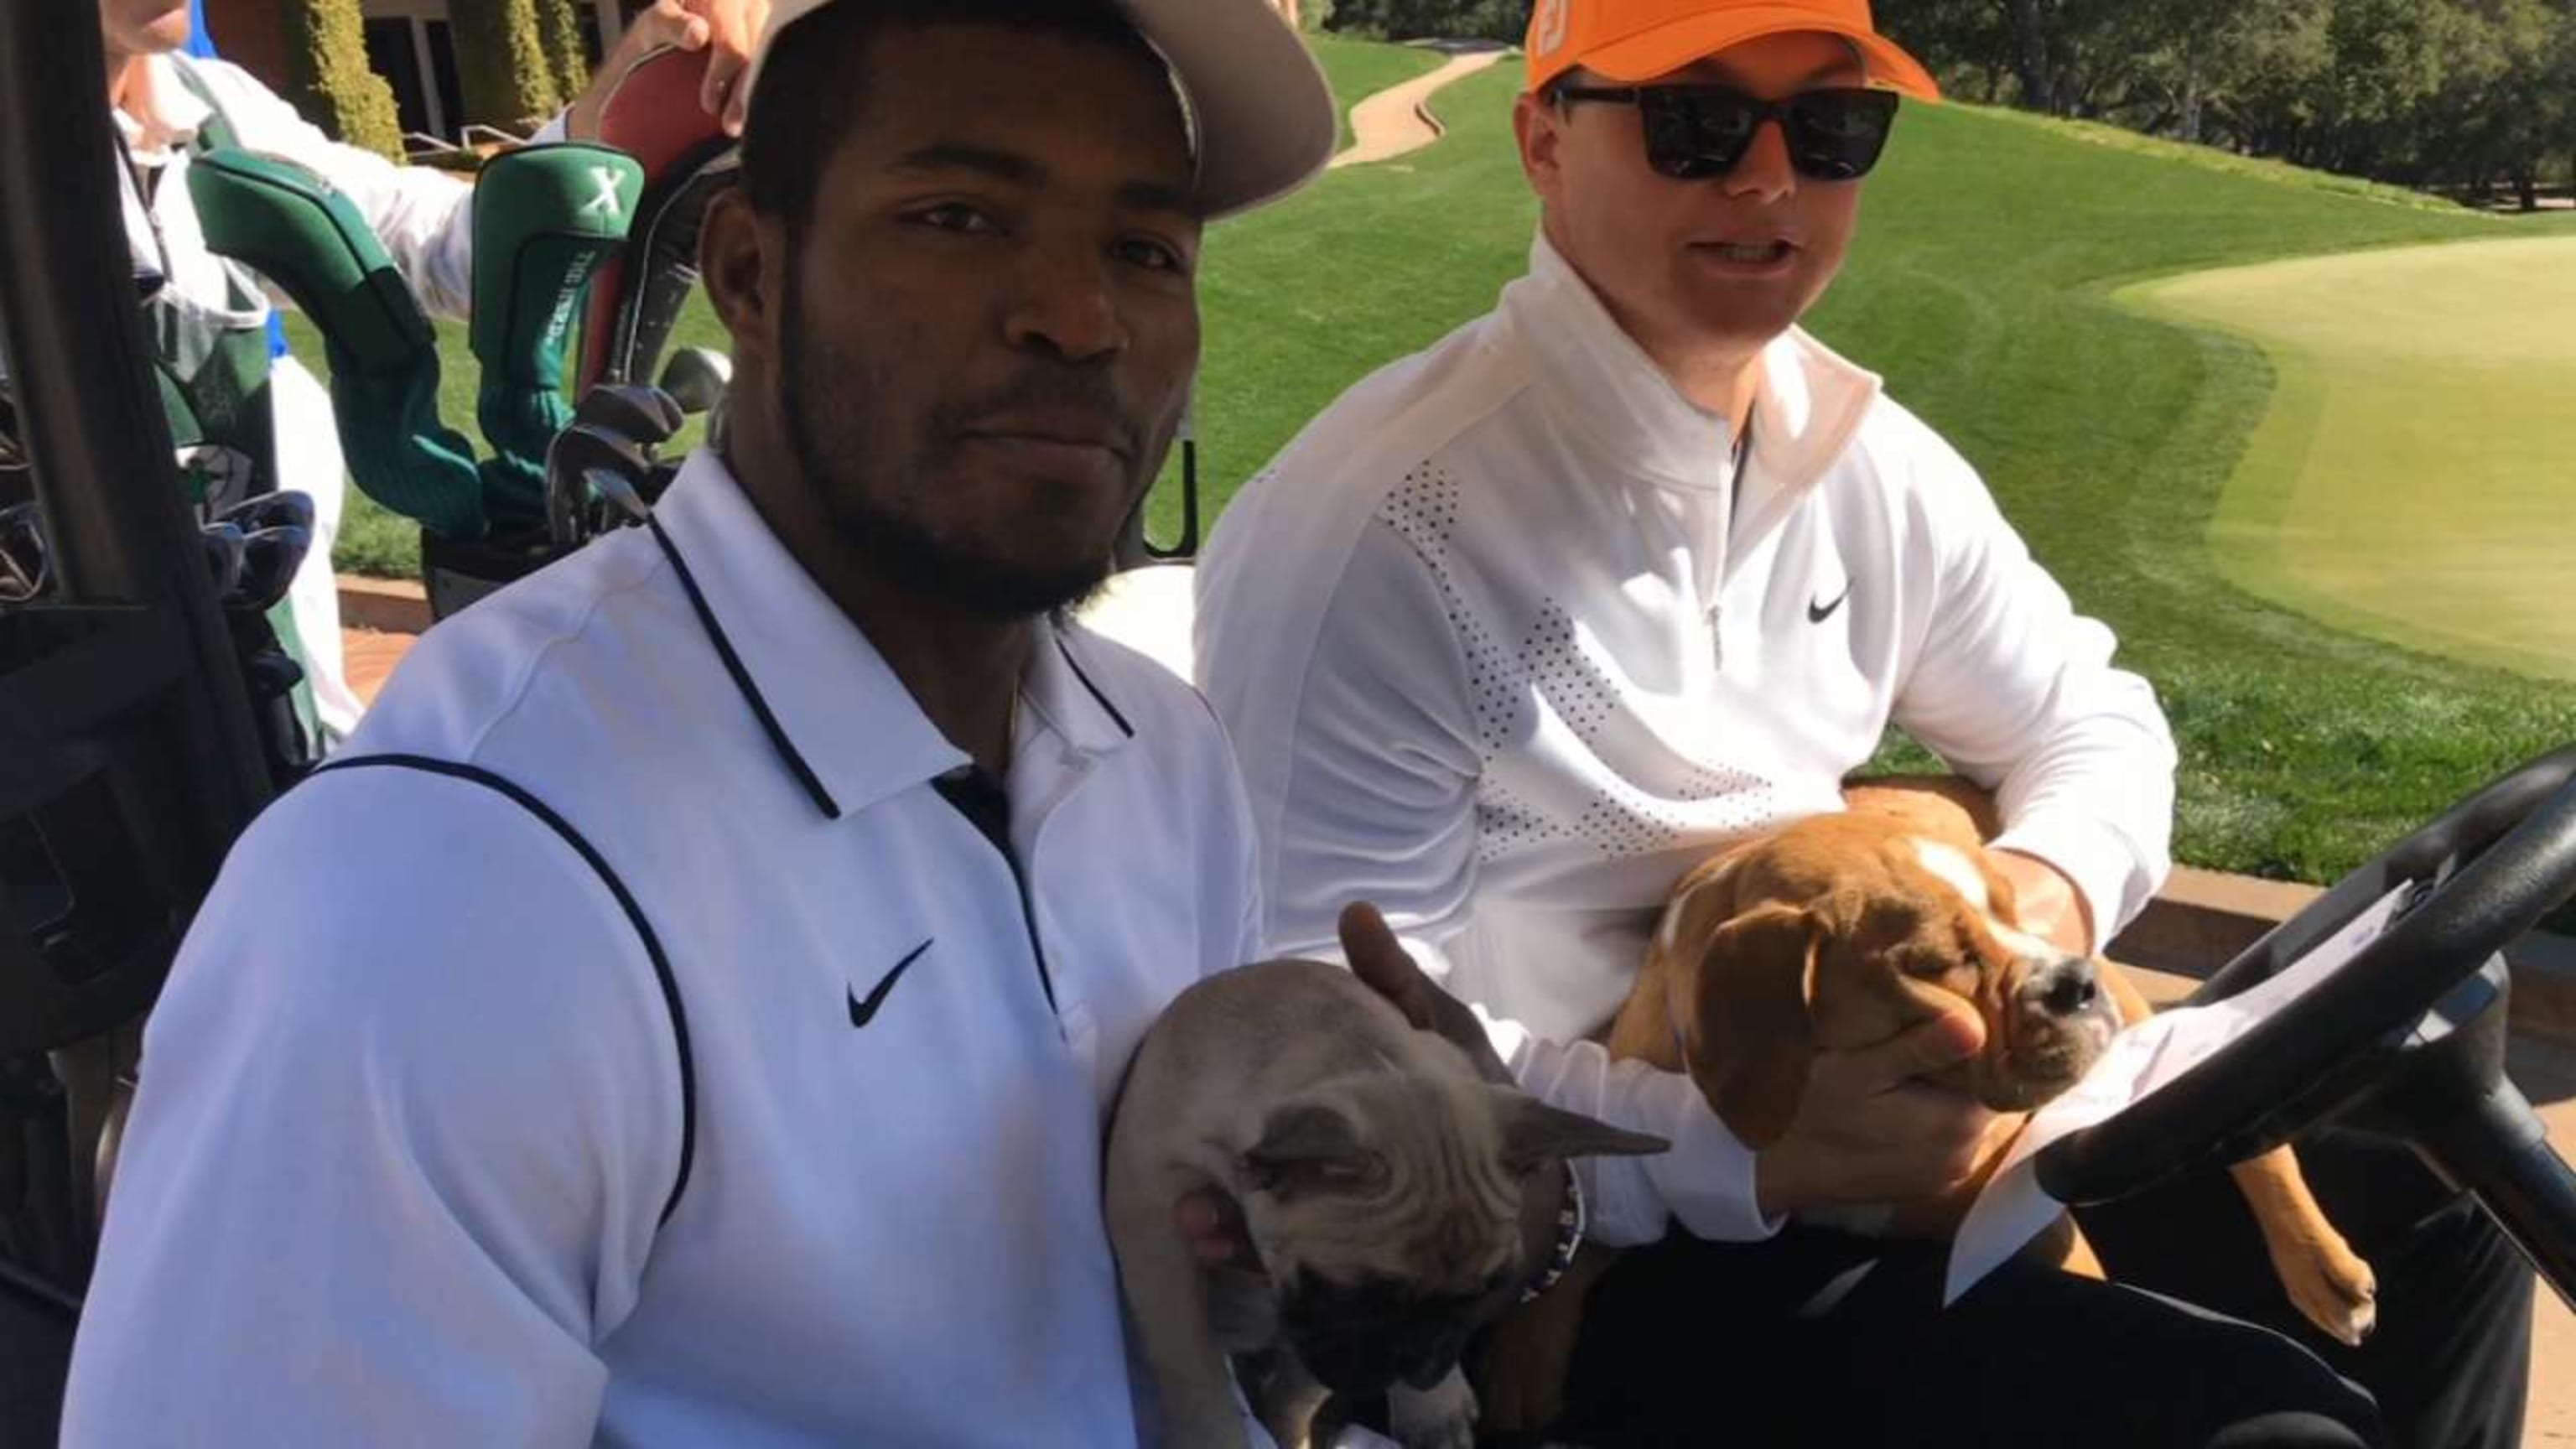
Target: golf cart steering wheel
[[2479, 877]]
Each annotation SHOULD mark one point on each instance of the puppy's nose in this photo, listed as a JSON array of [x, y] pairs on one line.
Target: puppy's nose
[[2067, 988]]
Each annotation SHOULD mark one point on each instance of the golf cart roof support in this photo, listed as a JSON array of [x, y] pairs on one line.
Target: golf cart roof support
[[105, 476]]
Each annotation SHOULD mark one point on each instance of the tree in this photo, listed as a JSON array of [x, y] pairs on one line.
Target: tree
[[501, 61], [2030, 54], [2066, 57], [1967, 43], [1504, 20], [2513, 114], [2431, 93], [559, 30], [328, 77], [2562, 89], [2181, 67], [2269, 82]]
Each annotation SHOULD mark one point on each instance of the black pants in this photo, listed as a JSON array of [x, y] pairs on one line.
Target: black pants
[[1818, 1338]]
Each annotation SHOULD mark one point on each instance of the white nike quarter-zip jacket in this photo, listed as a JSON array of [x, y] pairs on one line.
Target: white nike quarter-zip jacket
[[1505, 645]]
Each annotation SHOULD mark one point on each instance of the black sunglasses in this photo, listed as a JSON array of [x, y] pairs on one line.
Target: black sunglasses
[[1699, 133]]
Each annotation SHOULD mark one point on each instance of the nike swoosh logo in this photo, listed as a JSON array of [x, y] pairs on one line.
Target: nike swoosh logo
[[1819, 613], [863, 1012]]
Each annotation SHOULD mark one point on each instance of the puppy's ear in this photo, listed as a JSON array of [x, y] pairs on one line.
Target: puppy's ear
[[1535, 1134], [1747, 1029], [1305, 1147]]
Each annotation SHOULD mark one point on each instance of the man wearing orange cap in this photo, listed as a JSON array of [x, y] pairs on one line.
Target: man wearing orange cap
[[1525, 626]]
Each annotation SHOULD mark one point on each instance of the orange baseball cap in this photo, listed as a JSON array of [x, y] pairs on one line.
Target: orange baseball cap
[[1638, 40]]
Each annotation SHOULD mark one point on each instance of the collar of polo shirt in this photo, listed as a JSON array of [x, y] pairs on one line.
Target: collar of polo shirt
[[843, 724]]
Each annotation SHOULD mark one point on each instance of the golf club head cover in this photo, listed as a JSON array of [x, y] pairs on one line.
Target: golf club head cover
[[545, 217], [653, 115], [289, 225]]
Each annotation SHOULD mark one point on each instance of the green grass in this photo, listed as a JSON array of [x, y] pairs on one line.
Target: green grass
[[1983, 289], [2411, 478], [1359, 69], [2209, 158]]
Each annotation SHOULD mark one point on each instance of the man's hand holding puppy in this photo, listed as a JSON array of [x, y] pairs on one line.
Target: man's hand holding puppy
[[1868, 1131]]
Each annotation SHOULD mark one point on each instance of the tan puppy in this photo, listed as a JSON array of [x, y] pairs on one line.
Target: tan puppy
[[1839, 932]]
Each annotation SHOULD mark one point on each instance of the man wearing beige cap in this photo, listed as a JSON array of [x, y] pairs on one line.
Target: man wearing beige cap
[[687, 1012], [1525, 626]]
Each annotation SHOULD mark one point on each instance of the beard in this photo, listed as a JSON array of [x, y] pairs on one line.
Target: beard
[[894, 540]]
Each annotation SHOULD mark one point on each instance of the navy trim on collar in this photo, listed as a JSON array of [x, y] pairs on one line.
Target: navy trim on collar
[[856, 780], [1084, 675], [742, 679]]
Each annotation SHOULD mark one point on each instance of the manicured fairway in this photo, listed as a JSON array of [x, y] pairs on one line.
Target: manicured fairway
[[2414, 476]]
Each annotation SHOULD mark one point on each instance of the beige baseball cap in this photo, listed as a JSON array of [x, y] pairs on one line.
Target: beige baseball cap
[[1261, 117]]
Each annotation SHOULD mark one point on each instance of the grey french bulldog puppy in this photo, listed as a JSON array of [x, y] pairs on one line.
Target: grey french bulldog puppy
[[1380, 1177]]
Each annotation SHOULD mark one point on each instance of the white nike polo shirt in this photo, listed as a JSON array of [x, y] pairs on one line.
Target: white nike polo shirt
[[640, 1041]]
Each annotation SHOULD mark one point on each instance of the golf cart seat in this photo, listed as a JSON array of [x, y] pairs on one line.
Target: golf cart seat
[[1149, 609]]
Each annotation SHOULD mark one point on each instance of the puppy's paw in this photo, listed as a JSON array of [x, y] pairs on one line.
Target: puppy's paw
[[1440, 1417], [2333, 1289]]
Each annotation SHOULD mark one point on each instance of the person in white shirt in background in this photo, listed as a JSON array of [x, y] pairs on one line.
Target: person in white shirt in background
[[423, 215], [1526, 625]]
